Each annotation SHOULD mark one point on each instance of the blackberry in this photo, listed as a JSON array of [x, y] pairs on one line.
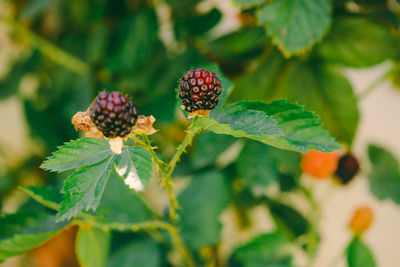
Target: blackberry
[[347, 168], [113, 114], [199, 90]]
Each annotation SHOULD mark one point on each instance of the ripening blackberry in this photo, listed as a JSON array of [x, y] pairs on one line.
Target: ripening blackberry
[[199, 90], [113, 114], [347, 168]]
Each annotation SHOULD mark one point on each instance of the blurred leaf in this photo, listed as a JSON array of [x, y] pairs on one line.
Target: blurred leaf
[[77, 154], [212, 145], [257, 165], [359, 255], [202, 202], [135, 166], [242, 45], [279, 123], [140, 252], [35, 7], [358, 42], [182, 4], [264, 250], [196, 25], [134, 41], [44, 195], [384, 177], [120, 204], [97, 42], [248, 3], [288, 219], [83, 189], [296, 25], [22, 231], [92, 246]]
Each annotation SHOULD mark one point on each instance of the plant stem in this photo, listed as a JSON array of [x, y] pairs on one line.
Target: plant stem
[[373, 86], [159, 163], [48, 49], [150, 225], [191, 132]]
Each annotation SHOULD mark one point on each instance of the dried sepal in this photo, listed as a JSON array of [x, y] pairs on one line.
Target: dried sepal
[[144, 125]]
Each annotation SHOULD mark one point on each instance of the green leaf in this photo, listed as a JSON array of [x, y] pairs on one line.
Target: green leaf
[[135, 165], [296, 25], [201, 205], [279, 123], [22, 231], [358, 42], [140, 252], [46, 196], [248, 3], [384, 177], [92, 246], [212, 145], [264, 250], [359, 255], [257, 166], [288, 219], [121, 204], [83, 190], [77, 154], [239, 46], [35, 7]]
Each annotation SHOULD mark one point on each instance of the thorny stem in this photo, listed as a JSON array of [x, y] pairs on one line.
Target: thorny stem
[[55, 53], [191, 132], [150, 225], [159, 163]]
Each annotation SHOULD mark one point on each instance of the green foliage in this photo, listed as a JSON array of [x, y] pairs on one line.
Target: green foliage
[[23, 231], [263, 250], [135, 163], [202, 202], [248, 3], [353, 42], [92, 246], [77, 154], [46, 196], [296, 25], [83, 189], [384, 177], [140, 252], [280, 124], [359, 255]]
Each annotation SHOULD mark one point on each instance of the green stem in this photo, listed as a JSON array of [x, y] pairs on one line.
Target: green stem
[[191, 132], [150, 225], [159, 163], [48, 49]]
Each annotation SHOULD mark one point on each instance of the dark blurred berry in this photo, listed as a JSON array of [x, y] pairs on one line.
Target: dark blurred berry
[[347, 168]]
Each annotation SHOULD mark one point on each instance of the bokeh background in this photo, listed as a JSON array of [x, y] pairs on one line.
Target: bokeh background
[[55, 56]]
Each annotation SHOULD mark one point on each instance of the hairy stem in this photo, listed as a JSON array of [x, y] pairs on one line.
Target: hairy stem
[[191, 132], [150, 225], [159, 163], [53, 52]]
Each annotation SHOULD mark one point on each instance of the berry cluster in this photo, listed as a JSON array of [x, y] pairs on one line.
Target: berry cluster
[[199, 90], [113, 114]]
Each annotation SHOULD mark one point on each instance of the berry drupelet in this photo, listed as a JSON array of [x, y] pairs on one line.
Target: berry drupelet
[[199, 90], [113, 114]]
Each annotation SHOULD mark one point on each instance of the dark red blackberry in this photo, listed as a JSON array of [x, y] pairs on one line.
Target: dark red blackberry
[[113, 114], [199, 89], [347, 168]]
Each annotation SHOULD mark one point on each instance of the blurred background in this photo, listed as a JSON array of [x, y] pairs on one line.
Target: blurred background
[[56, 55]]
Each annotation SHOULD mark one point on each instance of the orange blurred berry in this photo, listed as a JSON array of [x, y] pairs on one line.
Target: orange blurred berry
[[362, 219], [320, 164]]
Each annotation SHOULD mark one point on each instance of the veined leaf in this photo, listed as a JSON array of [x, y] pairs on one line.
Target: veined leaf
[[92, 246], [279, 123], [135, 165], [201, 204], [46, 196], [296, 25], [384, 178], [23, 231], [83, 189], [77, 154], [264, 250], [359, 255]]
